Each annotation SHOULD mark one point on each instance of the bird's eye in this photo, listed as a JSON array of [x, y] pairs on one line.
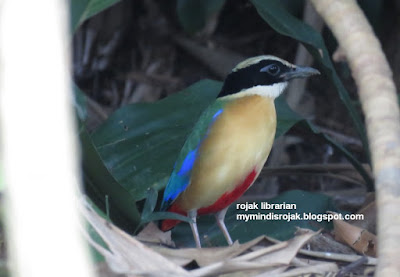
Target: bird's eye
[[272, 69]]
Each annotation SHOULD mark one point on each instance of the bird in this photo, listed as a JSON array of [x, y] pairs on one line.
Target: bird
[[230, 143]]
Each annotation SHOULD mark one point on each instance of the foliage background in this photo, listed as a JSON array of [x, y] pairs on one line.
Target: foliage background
[[126, 52]]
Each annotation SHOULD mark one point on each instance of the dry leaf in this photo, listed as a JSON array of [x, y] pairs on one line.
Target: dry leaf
[[326, 243], [357, 238], [321, 269], [125, 254], [286, 255], [205, 256], [265, 259], [369, 221], [152, 234]]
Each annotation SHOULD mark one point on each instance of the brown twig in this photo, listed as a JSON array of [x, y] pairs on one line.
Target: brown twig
[[342, 138], [351, 267], [337, 256]]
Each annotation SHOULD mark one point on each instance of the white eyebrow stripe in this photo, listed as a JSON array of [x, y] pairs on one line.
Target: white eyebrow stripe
[[257, 59]]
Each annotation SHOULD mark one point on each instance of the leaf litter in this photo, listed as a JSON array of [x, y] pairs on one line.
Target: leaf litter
[[152, 253]]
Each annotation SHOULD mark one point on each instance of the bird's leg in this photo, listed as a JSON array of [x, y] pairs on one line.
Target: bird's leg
[[220, 217], [193, 216]]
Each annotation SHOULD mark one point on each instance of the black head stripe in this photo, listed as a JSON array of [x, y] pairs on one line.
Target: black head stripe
[[265, 72]]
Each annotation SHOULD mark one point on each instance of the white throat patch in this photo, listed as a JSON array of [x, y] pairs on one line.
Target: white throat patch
[[272, 91]]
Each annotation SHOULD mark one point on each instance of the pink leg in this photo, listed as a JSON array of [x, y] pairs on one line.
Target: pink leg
[[220, 217], [193, 225]]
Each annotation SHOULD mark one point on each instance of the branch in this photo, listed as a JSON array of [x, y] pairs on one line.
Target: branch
[[378, 97]]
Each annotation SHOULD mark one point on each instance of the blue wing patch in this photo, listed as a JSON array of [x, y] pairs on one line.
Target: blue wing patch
[[179, 180], [188, 163], [217, 114], [180, 177]]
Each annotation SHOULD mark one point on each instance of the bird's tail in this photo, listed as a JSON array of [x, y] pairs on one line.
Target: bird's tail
[[168, 224]]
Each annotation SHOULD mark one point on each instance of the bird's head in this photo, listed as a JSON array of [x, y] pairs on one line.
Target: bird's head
[[263, 75]]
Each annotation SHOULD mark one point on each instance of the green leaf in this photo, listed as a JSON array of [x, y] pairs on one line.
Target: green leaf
[[306, 202], [165, 215], [84, 9], [283, 22], [99, 183], [150, 203], [139, 143], [193, 14], [149, 215]]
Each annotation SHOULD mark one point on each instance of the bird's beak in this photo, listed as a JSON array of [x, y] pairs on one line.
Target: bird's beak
[[299, 72]]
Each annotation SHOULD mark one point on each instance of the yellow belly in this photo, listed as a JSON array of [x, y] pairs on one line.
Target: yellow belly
[[239, 141]]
